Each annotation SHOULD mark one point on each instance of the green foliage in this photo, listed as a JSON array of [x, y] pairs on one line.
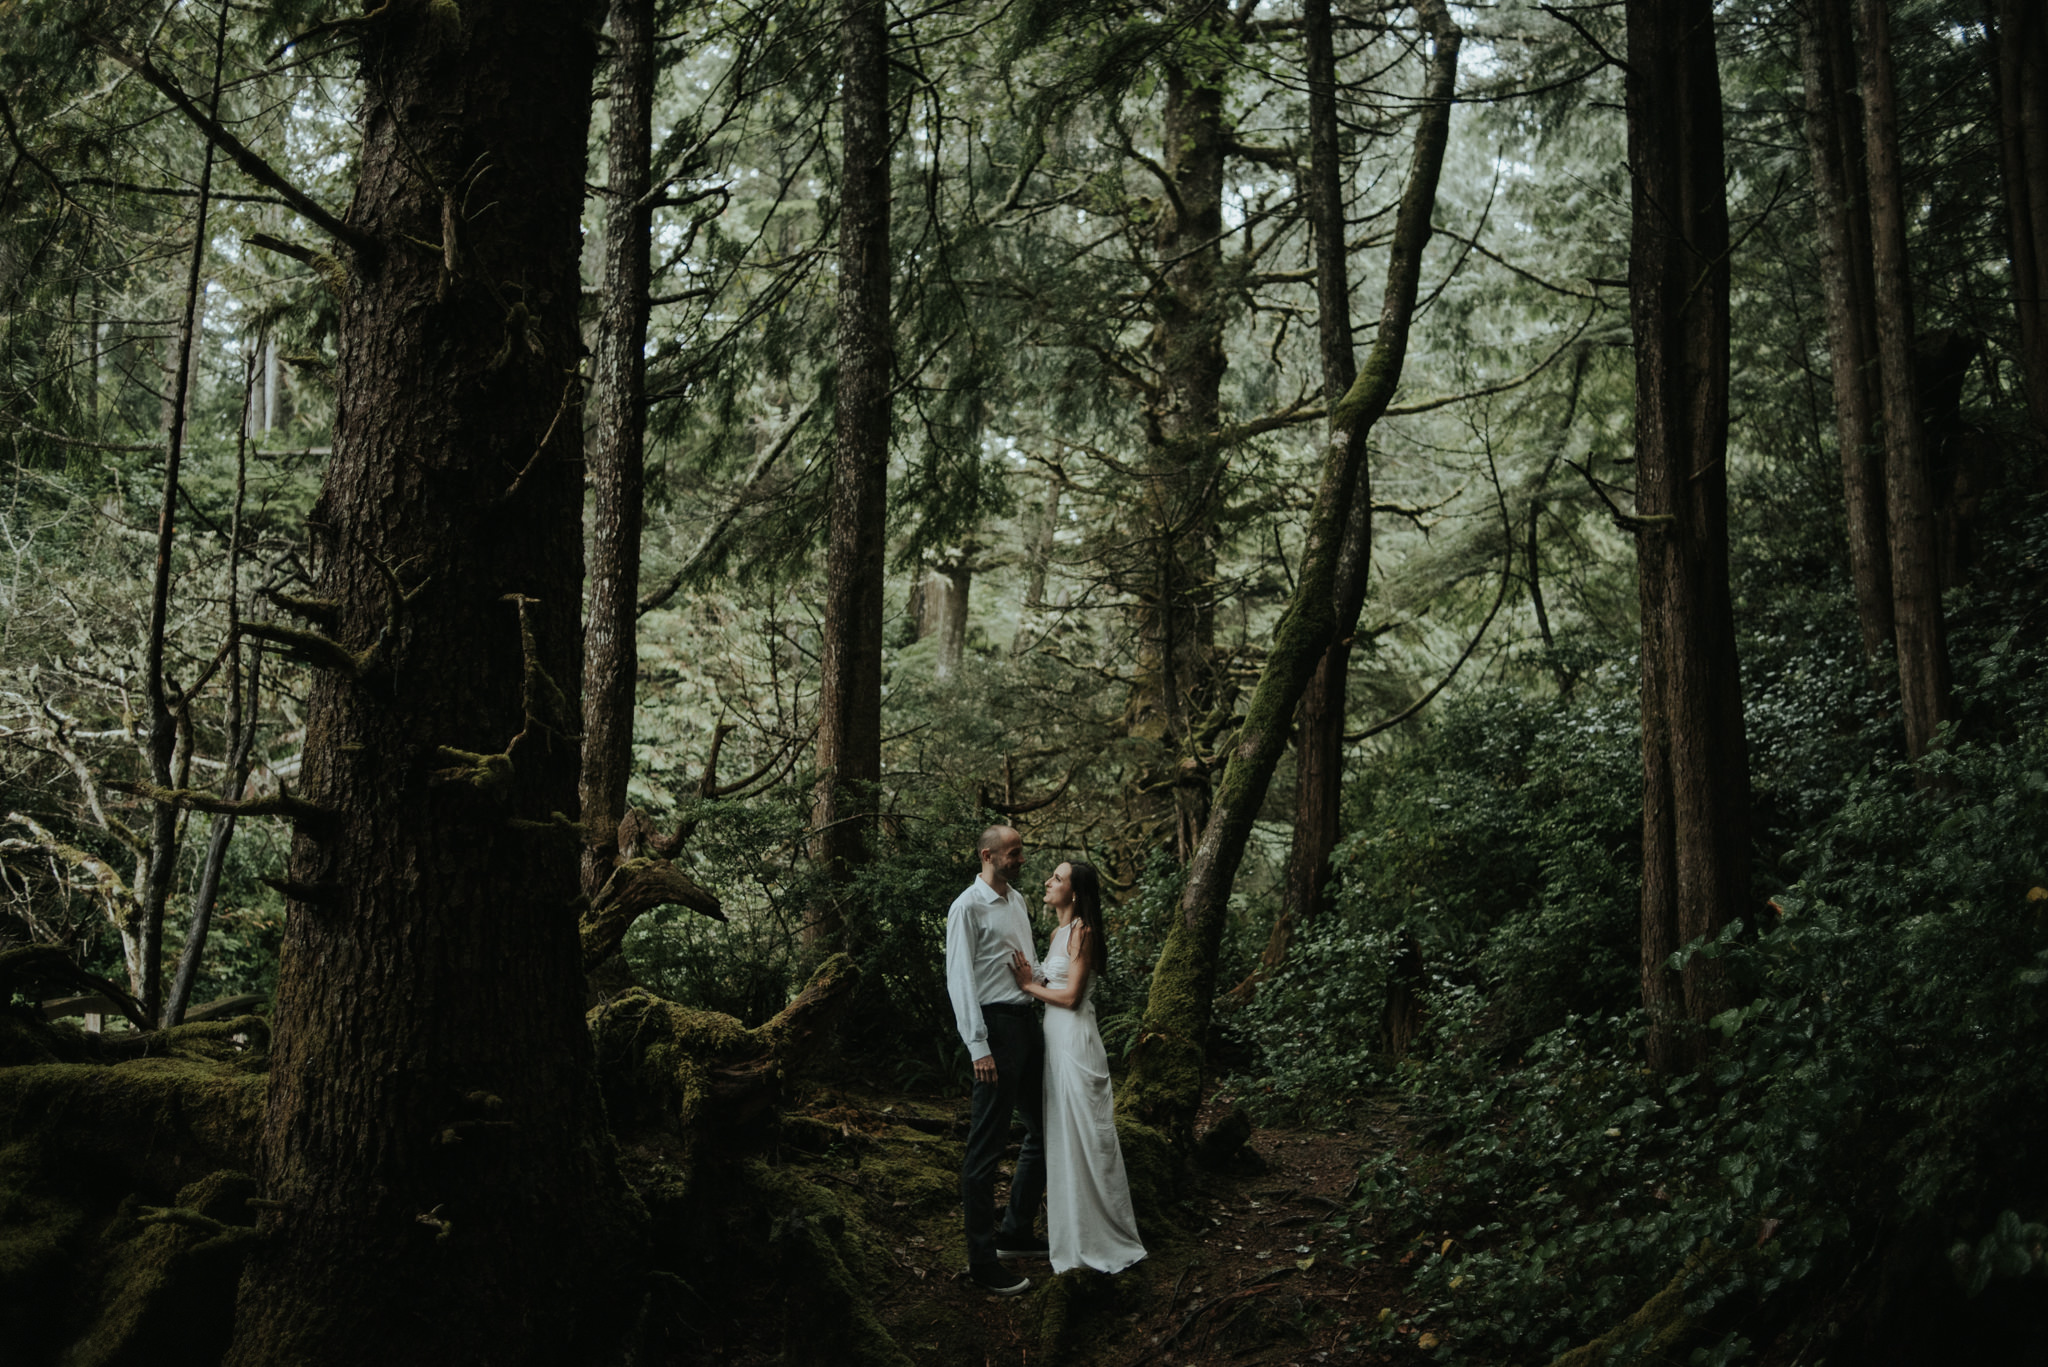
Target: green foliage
[[744, 965], [1885, 1068], [1315, 1025], [1137, 928]]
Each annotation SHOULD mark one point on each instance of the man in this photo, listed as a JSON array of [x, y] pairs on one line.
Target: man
[[986, 925]]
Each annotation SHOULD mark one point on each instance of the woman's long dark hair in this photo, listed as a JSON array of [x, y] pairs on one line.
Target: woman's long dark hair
[[1087, 886]]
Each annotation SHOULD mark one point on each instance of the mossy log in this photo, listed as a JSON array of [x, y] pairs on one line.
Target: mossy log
[[674, 1077], [124, 1217], [823, 1257]]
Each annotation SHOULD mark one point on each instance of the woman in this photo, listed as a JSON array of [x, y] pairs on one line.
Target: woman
[[1088, 1201]]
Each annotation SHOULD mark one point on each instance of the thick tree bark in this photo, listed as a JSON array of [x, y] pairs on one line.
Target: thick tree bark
[[1319, 748], [1163, 1087], [1175, 686], [440, 1183], [850, 686], [2021, 69], [1695, 760], [1922, 638], [1834, 133], [611, 636]]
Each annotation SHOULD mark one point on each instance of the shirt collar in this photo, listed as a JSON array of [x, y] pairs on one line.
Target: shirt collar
[[983, 892]]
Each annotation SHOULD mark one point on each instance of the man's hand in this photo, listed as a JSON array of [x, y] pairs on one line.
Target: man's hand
[[985, 1068]]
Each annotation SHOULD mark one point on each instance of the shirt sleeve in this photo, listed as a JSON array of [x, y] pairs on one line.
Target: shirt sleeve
[[960, 979]]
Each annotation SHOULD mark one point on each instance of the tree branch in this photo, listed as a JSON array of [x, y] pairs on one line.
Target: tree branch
[[244, 157]]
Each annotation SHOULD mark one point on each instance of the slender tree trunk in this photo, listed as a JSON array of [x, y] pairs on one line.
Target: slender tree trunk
[[850, 686], [241, 733], [1175, 685], [611, 662], [1834, 133], [2021, 69], [1695, 760], [440, 1184], [1921, 636], [1319, 748], [163, 704], [1163, 1087], [270, 418]]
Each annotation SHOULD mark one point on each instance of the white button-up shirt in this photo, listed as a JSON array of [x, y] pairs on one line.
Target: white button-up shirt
[[981, 930]]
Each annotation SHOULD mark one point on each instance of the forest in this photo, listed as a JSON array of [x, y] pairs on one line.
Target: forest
[[538, 535]]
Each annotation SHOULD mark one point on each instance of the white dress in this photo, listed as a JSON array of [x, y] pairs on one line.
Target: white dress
[[1087, 1197]]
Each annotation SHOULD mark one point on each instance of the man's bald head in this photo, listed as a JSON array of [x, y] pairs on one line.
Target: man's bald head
[[1002, 857]]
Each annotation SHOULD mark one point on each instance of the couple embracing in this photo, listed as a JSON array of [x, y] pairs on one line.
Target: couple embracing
[[1056, 1079]]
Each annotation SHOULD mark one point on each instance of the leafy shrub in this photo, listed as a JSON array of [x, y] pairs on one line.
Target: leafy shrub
[[742, 966], [1500, 851], [1314, 1026], [1887, 1067]]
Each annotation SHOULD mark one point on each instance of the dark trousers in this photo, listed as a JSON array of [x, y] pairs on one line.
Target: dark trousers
[[1018, 1046]]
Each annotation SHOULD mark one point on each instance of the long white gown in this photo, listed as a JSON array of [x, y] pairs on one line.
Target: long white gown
[[1087, 1197]]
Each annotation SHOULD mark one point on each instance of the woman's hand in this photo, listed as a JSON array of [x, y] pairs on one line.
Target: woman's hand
[[1021, 969]]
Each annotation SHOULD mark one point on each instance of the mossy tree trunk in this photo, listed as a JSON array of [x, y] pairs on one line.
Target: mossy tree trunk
[[1163, 1087], [611, 666], [1695, 760], [443, 1187], [850, 682]]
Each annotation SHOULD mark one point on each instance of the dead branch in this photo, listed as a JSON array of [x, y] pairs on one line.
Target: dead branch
[[638, 886], [24, 967], [296, 810]]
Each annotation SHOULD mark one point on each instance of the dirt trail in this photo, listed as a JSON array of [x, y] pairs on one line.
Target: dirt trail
[[1263, 1281]]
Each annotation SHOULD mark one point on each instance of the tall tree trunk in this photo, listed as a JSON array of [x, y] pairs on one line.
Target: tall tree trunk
[[1163, 1087], [164, 705], [1042, 542], [1175, 685], [850, 686], [611, 663], [1319, 749], [2021, 69], [1834, 133], [1921, 637], [958, 577], [1695, 760], [440, 1182], [243, 712]]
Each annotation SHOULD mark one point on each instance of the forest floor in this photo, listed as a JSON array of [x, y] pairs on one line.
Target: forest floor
[[1263, 1271]]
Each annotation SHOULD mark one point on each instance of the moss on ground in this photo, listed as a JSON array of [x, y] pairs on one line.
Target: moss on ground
[[168, 1276], [109, 1247], [825, 1251]]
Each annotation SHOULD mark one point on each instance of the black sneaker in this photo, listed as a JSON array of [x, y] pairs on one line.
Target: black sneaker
[[998, 1280], [1024, 1246]]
